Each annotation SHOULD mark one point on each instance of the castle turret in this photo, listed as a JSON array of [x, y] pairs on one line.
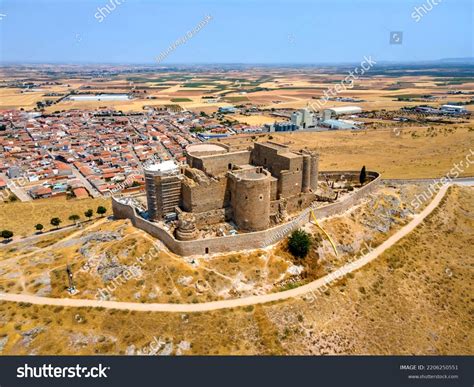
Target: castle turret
[[306, 173], [250, 199], [314, 172]]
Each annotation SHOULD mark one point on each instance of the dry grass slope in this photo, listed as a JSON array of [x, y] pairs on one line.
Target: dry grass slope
[[21, 217], [415, 299]]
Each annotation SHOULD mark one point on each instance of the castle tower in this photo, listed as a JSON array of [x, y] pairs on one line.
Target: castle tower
[[163, 189], [306, 173], [314, 172], [250, 198]]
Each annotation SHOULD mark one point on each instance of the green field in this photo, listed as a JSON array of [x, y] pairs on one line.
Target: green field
[[181, 100]]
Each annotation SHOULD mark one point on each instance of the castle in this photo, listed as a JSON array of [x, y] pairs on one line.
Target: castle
[[228, 199], [251, 188]]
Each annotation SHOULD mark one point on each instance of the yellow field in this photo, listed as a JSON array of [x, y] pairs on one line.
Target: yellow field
[[394, 157], [402, 156], [21, 217], [255, 120], [14, 99], [292, 91]]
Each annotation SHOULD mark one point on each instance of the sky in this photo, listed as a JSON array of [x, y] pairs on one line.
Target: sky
[[244, 31]]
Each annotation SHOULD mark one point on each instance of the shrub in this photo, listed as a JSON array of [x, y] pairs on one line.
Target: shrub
[[7, 234], [55, 222], [362, 176], [299, 243], [101, 210], [89, 213]]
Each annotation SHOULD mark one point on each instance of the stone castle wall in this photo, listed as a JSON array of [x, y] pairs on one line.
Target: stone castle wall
[[245, 241], [204, 197], [219, 164], [289, 183]]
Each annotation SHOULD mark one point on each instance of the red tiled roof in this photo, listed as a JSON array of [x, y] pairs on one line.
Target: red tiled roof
[[81, 193]]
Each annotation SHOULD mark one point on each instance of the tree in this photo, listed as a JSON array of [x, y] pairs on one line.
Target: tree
[[39, 227], [362, 176], [74, 218], [101, 210], [7, 235], [299, 243], [56, 222], [89, 214]]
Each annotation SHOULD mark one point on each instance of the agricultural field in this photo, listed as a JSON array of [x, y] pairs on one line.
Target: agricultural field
[[263, 88], [254, 119], [15, 99]]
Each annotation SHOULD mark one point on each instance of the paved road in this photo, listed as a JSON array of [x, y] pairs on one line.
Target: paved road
[[312, 287], [18, 191]]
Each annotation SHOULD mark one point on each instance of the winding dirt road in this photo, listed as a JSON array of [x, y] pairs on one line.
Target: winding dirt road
[[313, 287]]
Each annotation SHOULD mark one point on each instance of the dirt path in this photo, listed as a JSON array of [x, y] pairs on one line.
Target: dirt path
[[312, 287]]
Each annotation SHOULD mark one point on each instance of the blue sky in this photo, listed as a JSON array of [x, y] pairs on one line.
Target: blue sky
[[245, 31]]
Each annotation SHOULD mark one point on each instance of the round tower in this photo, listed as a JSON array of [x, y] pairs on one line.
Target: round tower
[[314, 172], [250, 199], [305, 186]]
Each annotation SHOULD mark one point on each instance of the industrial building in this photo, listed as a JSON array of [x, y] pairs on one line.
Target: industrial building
[[284, 127], [227, 109], [303, 119], [338, 124], [453, 109], [338, 111], [329, 118]]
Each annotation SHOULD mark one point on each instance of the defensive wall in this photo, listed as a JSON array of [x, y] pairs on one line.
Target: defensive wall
[[251, 240]]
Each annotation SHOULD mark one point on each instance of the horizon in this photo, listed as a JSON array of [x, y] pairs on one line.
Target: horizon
[[440, 62]]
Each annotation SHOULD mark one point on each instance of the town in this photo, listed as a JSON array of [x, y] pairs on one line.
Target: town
[[84, 153]]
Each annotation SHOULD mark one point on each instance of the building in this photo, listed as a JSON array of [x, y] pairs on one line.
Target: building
[[453, 109], [303, 119], [14, 172], [209, 135], [163, 189], [342, 110], [252, 188], [227, 109], [284, 127], [40, 192], [80, 193], [338, 124]]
